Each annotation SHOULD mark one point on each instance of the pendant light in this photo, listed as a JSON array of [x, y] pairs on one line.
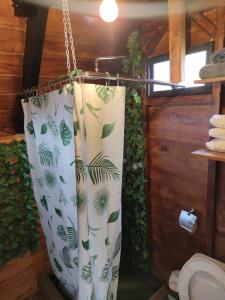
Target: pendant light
[[109, 10]]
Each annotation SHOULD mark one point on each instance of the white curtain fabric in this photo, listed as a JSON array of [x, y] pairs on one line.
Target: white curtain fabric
[[75, 147]]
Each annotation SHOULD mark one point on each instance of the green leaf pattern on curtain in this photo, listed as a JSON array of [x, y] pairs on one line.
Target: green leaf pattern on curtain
[[50, 151], [99, 111], [77, 155]]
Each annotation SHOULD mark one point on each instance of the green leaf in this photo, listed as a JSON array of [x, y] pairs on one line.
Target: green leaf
[[44, 128], [101, 169], [65, 133], [68, 108], [66, 258], [115, 272], [107, 130], [62, 179], [105, 271], [75, 261], [72, 236], [58, 212], [105, 93], [46, 156], [30, 128], [86, 245], [58, 266], [80, 169], [52, 126], [92, 109], [81, 201], [37, 101], [114, 216], [61, 232], [49, 178], [117, 245], [44, 202], [86, 274], [101, 201]]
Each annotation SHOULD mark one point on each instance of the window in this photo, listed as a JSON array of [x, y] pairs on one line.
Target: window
[[159, 68]]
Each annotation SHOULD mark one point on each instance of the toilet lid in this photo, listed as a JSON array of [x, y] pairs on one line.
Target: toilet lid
[[202, 278]]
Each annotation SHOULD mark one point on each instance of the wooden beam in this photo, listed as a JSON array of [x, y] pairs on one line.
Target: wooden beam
[[177, 43], [203, 5], [35, 34], [220, 27], [204, 24]]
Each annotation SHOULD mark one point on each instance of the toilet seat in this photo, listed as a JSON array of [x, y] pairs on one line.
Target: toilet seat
[[202, 278]]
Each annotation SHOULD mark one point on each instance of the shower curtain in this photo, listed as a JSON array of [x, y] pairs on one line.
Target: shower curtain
[[75, 148]]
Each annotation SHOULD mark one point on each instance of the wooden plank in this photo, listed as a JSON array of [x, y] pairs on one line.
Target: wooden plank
[[203, 5], [5, 116], [18, 278], [9, 84], [7, 101], [177, 44], [7, 16], [211, 155], [47, 288], [211, 80], [220, 27], [11, 40], [8, 139], [11, 63], [204, 24], [36, 26]]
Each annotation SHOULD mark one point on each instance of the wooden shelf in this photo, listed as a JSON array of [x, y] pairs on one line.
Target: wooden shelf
[[211, 80], [204, 153]]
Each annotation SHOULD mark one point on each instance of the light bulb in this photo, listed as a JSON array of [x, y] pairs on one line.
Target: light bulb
[[109, 10]]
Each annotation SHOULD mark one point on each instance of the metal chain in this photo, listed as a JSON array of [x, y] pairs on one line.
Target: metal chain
[[68, 35]]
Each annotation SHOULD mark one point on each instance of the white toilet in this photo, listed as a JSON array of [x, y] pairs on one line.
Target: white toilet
[[202, 278]]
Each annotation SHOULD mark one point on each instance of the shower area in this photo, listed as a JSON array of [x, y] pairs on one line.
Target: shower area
[[84, 151]]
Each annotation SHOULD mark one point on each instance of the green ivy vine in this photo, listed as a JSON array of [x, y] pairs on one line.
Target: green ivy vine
[[135, 220], [18, 213]]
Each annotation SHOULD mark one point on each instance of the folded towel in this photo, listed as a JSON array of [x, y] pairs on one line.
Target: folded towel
[[211, 71], [218, 56], [216, 145], [218, 121], [218, 133]]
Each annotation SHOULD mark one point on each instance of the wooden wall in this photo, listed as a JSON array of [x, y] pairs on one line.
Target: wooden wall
[[12, 40], [18, 278], [176, 126], [200, 29], [92, 38]]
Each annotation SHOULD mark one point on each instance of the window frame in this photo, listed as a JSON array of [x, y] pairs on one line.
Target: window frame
[[198, 90]]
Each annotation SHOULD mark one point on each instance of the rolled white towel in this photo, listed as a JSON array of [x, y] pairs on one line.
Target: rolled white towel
[[218, 133], [218, 121], [216, 145]]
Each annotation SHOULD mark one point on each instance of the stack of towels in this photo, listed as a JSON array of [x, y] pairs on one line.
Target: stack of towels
[[218, 133]]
